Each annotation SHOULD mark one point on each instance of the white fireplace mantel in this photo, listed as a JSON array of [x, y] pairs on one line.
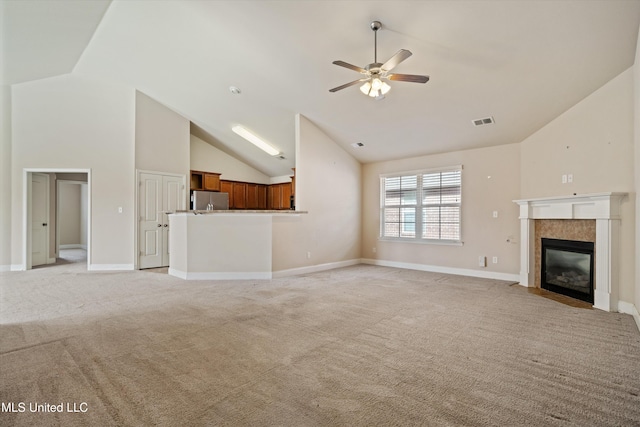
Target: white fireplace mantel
[[602, 207]]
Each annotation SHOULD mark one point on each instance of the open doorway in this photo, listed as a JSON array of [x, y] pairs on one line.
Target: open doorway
[[71, 218], [57, 217]]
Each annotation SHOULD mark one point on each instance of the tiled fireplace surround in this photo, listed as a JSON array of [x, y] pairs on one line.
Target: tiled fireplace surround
[[585, 217]]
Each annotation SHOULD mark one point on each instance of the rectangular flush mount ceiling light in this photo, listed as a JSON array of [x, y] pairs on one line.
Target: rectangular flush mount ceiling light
[[255, 140]]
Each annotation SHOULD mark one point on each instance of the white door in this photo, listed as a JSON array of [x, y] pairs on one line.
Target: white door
[[150, 227], [173, 200], [158, 194], [39, 219]]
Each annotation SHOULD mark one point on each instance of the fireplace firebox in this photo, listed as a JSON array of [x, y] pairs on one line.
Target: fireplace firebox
[[567, 268]]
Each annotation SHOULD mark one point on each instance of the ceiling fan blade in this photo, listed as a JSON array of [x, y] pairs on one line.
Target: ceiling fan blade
[[351, 67], [346, 85], [400, 56], [408, 78]]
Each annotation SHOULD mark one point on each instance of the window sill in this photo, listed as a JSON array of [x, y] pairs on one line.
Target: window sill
[[422, 241]]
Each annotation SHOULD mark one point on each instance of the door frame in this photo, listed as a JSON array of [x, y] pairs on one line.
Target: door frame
[[139, 172], [26, 210]]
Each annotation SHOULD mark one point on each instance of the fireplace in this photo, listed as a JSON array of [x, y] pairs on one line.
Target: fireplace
[[567, 268], [605, 209]]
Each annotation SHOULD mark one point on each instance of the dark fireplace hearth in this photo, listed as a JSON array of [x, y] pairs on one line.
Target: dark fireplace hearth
[[567, 268]]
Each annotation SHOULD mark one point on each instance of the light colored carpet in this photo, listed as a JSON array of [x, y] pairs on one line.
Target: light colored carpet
[[357, 346]]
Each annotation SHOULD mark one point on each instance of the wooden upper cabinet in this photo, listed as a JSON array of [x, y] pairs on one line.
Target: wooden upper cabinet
[[208, 181], [286, 195], [262, 196], [227, 187], [240, 195], [275, 196], [280, 196], [252, 196], [197, 180], [212, 181]]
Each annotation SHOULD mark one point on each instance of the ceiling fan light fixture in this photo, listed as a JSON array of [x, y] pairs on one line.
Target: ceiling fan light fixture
[[365, 88], [374, 73], [255, 140]]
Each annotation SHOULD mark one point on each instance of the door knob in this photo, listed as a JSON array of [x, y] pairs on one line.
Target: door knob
[[44, 224], [166, 225], [159, 225]]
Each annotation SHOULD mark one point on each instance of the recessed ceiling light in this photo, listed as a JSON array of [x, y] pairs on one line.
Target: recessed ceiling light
[[234, 90]]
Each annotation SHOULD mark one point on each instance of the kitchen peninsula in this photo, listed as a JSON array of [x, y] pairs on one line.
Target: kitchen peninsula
[[222, 244]]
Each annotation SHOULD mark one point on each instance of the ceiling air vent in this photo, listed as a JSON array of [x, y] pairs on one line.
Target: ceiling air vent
[[357, 145], [485, 121]]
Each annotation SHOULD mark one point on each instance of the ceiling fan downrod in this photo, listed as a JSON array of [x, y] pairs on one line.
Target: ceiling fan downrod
[[375, 26]]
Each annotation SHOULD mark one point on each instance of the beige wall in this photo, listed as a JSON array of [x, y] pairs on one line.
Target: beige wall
[[328, 186], [69, 220], [205, 157], [636, 115], [162, 138], [68, 122], [5, 178], [5, 163], [593, 141], [490, 181]]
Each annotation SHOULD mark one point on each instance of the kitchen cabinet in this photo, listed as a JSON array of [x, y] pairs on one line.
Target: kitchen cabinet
[[212, 181], [274, 196], [245, 195], [239, 195], [227, 187], [280, 196], [208, 181], [256, 196], [262, 196]]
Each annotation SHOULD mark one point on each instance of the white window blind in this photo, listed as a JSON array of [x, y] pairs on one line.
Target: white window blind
[[422, 206]]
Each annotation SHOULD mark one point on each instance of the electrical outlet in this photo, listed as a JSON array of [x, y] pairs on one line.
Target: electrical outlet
[[308, 255], [564, 179], [120, 209], [482, 261], [495, 259], [570, 178], [495, 214]]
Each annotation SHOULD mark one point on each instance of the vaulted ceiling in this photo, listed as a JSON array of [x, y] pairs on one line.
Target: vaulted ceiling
[[522, 62]]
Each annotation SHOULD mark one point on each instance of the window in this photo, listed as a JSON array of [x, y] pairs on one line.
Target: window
[[421, 206]]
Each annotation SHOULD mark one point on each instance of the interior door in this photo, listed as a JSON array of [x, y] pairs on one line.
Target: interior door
[[158, 194], [39, 219], [150, 227], [173, 200]]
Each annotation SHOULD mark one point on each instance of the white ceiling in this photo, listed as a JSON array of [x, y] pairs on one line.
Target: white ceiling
[[523, 62]]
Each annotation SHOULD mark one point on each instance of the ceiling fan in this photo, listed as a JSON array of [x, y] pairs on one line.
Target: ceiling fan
[[375, 74]]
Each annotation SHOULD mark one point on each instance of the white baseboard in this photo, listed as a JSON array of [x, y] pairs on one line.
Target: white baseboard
[[109, 267], [18, 267], [628, 308], [5, 268], [446, 270], [74, 246], [254, 275], [51, 261], [315, 268]]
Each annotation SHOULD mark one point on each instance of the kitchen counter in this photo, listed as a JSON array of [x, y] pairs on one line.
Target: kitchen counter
[[240, 211], [223, 244]]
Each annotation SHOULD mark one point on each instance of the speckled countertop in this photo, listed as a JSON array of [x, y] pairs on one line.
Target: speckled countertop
[[239, 211]]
